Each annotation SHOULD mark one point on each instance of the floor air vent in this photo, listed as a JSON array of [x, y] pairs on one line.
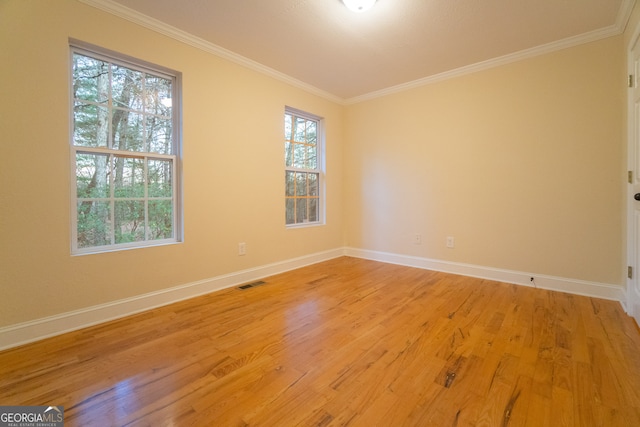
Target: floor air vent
[[252, 285]]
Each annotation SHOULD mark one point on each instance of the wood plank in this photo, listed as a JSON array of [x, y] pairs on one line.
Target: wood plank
[[345, 342]]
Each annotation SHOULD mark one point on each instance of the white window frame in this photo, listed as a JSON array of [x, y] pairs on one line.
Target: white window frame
[[320, 169], [175, 157]]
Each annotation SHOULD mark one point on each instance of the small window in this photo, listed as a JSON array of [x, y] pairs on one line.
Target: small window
[[303, 171], [125, 145]]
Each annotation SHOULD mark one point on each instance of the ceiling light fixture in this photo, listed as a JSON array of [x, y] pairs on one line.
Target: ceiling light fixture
[[359, 5]]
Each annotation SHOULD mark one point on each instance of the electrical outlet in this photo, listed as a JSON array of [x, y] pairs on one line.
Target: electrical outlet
[[242, 248], [451, 242], [417, 239]]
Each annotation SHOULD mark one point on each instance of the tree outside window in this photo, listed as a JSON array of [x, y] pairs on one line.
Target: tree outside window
[[302, 149], [124, 145]]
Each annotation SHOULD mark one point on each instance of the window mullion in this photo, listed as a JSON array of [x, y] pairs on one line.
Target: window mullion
[[74, 200], [124, 153], [145, 186], [110, 107], [112, 201], [145, 139], [174, 200], [308, 196]]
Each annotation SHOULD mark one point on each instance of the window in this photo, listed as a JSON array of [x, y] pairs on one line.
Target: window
[[124, 147], [303, 177]]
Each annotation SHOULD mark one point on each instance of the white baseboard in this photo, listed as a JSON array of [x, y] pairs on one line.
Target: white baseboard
[[24, 333], [561, 284]]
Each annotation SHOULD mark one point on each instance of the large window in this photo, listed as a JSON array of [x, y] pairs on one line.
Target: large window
[[303, 171], [125, 146]]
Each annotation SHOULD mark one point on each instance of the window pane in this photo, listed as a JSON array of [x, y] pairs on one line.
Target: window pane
[[129, 177], [159, 135], [129, 221], [90, 125], [290, 183], [160, 219], [290, 211], [301, 184], [93, 224], [288, 154], [312, 131], [301, 210], [287, 127], [127, 88], [92, 175], [90, 79], [300, 130], [311, 157], [313, 184], [158, 95], [313, 210], [127, 130], [298, 155], [160, 178]]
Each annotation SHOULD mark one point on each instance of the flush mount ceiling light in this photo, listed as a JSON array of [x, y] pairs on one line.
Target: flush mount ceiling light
[[359, 5]]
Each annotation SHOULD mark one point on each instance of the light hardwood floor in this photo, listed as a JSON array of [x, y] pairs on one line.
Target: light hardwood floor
[[345, 342]]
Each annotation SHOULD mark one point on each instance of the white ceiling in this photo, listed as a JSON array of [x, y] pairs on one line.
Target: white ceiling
[[346, 55]]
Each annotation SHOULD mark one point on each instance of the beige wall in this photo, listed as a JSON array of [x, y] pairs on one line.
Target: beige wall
[[232, 126], [522, 164]]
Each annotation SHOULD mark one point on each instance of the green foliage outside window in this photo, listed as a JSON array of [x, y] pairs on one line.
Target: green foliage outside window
[[302, 176], [124, 153]]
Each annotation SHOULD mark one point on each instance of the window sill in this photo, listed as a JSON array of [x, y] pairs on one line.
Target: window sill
[[304, 225], [123, 247]]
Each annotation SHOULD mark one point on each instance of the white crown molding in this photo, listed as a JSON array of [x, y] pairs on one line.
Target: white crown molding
[[626, 8], [131, 15], [624, 14], [592, 36], [153, 24]]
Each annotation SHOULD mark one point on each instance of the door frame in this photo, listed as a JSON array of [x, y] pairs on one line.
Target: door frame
[[632, 291]]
